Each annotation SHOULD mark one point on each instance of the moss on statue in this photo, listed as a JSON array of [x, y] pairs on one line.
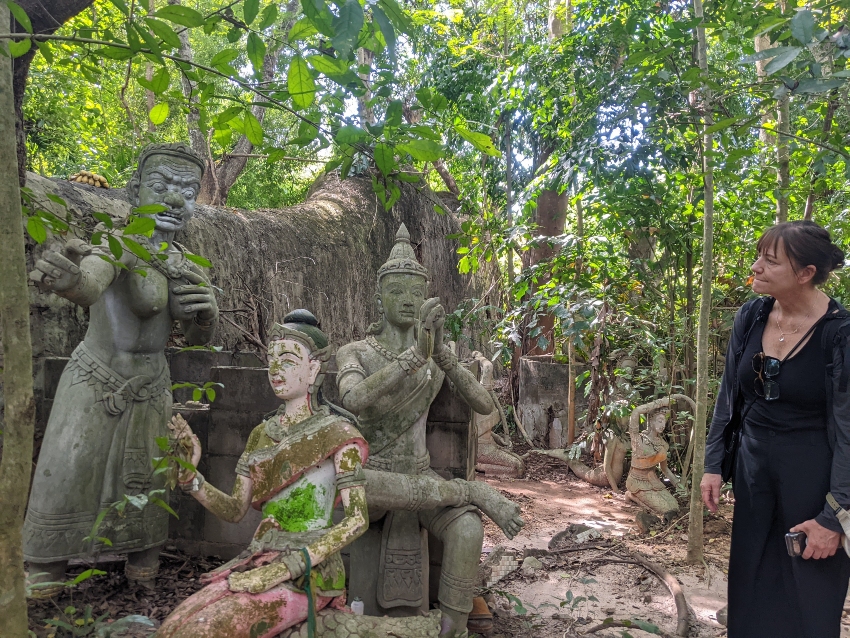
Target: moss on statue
[[297, 510]]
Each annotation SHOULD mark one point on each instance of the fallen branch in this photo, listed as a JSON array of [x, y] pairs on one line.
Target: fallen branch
[[247, 334], [669, 580], [621, 623]]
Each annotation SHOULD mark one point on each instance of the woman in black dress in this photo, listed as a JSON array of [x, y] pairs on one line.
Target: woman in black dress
[[793, 449]]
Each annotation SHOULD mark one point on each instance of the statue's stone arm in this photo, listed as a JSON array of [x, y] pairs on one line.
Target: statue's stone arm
[[347, 460], [74, 273], [228, 508], [357, 389], [468, 387]]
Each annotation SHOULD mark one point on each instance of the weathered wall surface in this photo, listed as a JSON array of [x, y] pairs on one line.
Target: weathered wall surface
[[322, 255]]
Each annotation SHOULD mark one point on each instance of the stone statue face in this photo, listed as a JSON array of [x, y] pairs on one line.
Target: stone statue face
[[291, 371], [173, 182], [658, 422], [401, 297]]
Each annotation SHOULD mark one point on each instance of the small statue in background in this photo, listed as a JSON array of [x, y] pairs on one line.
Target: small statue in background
[[649, 450], [494, 456]]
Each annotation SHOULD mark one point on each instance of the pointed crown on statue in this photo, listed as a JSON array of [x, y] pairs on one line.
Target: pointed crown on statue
[[402, 258]]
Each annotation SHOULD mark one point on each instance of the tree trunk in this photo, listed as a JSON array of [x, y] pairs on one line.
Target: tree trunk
[[46, 16], [783, 160], [695, 532], [217, 182], [365, 57], [19, 416]]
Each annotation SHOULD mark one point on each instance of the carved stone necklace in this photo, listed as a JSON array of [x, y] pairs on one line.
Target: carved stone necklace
[[384, 352], [795, 330]]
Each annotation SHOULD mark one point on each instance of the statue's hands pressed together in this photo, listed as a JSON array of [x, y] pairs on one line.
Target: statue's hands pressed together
[[193, 300], [431, 328], [59, 268]]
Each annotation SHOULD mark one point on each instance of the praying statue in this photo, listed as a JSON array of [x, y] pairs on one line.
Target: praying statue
[[389, 380], [649, 450], [297, 465], [114, 396]]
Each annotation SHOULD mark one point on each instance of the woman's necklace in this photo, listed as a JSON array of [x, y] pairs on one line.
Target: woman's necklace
[[795, 330]]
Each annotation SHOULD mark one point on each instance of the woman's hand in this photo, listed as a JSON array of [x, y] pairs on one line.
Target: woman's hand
[[820, 541], [710, 489]]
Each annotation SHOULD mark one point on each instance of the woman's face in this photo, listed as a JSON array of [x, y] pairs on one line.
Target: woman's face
[[773, 272], [291, 371]]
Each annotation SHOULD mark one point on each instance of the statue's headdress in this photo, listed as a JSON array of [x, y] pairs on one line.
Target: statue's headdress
[[402, 258], [302, 326], [177, 149]]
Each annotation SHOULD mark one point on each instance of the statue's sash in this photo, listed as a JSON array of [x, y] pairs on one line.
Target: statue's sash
[[305, 445], [385, 428]]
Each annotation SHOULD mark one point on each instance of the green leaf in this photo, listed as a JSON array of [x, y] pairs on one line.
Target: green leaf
[[57, 200], [178, 14], [163, 32], [256, 52], [121, 6], [253, 129], [347, 27], [151, 42], [136, 248], [351, 135], [480, 141], [17, 49], [317, 12], [781, 61], [114, 53], [224, 57], [396, 14], [764, 55], [422, 150], [250, 9], [302, 30], [115, 247], [817, 85], [392, 118], [86, 575], [722, 124], [328, 65], [160, 503], [103, 218], [20, 15], [387, 30], [158, 83], [46, 51], [159, 113], [140, 226], [300, 83], [36, 229], [268, 17], [803, 26], [384, 158], [197, 259]]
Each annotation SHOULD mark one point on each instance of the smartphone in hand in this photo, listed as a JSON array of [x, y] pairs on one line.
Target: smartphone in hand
[[795, 543]]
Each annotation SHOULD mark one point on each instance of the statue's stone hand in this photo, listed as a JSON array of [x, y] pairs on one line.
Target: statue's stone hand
[[430, 334], [504, 512], [259, 579], [59, 268], [195, 299], [187, 443]]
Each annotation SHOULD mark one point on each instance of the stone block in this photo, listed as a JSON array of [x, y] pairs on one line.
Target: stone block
[[229, 431], [194, 365], [449, 446], [544, 394], [245, 389]]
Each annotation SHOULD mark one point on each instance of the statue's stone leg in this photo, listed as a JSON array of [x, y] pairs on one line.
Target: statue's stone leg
[[142, 567], [463, 537], [53, 572]]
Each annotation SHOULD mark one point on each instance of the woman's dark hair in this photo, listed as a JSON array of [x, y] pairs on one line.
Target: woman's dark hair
[[806, 244]]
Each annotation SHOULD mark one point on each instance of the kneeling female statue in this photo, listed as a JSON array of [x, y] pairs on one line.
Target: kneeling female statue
[[296, 466]]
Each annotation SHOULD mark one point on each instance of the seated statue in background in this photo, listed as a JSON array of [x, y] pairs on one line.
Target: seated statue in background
[[649, 450], [296, 466], [494, 456], [390, 380], [114, 396]]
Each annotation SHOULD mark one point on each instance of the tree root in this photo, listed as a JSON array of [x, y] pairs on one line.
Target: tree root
[[622, 623]]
